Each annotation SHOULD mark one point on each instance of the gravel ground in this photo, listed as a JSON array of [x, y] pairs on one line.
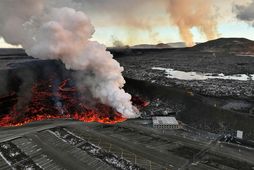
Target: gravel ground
[[139, 66]]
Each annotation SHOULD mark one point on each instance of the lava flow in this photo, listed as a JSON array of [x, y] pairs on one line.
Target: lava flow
[[51, 101]]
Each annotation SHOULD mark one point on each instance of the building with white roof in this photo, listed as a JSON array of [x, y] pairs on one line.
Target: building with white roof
[[165, 122]]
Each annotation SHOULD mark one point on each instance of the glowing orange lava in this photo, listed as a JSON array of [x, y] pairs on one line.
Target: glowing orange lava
[[51, 101]]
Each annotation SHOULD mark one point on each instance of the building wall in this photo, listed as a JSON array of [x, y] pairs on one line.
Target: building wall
[[166, 126]]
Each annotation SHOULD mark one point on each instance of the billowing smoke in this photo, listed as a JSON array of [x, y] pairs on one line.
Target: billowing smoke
[[3, 82], [64, 33], [24, 94], [245, 12], [187, 14], [117, 42]]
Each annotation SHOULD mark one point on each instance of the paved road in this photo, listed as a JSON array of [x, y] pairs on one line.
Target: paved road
[[7, 134], [145, 146]]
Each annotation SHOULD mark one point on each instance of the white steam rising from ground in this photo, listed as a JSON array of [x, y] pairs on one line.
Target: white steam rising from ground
[[64, 33]]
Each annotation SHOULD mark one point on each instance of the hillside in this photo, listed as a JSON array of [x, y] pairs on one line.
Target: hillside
[[230, 45]]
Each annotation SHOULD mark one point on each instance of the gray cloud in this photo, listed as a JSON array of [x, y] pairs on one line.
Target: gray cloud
[[245, 12]]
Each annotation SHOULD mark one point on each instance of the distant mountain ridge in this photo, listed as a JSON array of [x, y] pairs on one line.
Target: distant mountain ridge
[[240, 46], [160, 45], [142, 46], [232, 45]]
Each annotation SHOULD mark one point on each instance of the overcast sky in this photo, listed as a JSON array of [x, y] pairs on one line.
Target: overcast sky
[[149, 21]]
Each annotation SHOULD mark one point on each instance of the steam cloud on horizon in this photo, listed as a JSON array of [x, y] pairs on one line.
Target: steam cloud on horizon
[[63, 33], [187, 14]]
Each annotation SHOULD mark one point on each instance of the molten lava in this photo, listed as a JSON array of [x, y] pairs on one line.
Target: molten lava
[[50, 101]]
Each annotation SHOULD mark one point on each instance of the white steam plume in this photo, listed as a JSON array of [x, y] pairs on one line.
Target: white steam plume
[[64, 33]]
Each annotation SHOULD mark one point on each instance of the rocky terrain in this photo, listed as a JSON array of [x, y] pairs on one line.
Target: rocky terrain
[[138, 65]]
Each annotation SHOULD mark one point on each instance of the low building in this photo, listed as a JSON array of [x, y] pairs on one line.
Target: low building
[[165, 122]]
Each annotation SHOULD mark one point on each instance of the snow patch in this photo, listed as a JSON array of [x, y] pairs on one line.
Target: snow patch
[[181, 75]]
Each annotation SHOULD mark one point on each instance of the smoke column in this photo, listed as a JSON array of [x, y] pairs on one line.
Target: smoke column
[[64, 33], [187, 14]]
